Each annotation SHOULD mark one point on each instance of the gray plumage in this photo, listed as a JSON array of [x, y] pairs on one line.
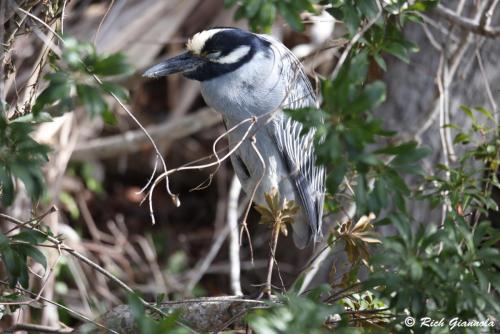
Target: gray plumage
[[244, 75]]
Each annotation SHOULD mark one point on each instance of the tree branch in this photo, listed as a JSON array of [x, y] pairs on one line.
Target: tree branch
[[466, 23], [203, 314], [32, 328], [134, 141]]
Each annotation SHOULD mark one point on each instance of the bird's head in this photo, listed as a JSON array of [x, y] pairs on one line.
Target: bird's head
[[211, 53]]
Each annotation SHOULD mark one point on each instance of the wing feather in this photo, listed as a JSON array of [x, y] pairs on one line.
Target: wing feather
[[297, 149]]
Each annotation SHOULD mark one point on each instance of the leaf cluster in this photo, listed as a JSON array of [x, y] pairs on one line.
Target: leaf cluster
[[450, 270], [71, 83], [14, 252], [295, 314], [348, 140], [261, 14], [275, 213], [73, 73], [147, 323], [445, 272], [20, 157], [357, 238]]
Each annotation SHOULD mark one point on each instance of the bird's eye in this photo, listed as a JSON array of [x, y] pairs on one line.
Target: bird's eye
[[213, 54]]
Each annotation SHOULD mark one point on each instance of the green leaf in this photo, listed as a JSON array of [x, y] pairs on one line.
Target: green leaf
[[336, 176], [109, 117], [252, 7], [14, 265], [91, 99], [34, 253], [4, 242], [468, 112], [398, 50], [54, 92], [486, 113], [7, 187], [70, 204], [115, 64], [462, 138], [371, 97], [31, 236], [380, 61], [358, 69], [368, 8], [136, 305], [230, 3], [416, 270], [411, 156], [291, 17], [423, 6], [240, 13], [41, 117], [32, 178], [267, 15], [351, 18]]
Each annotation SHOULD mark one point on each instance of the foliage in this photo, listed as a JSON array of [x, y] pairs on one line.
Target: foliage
[[294, 314], [262, 14], [15, 251], [74, 70], [20, 157], [450, 270], [345, 140]]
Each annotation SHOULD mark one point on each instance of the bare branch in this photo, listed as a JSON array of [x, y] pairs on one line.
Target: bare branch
[[136, 140], [467, 23], [32, 328], [203, 314]]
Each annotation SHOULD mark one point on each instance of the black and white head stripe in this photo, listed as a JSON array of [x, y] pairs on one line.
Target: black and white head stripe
[[224, 45], [224, 49]]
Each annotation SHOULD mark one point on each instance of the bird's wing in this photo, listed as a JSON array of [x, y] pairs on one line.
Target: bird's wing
[[297, 149]]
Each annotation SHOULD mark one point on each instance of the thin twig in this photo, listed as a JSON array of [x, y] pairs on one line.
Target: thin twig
[[174, 197], [72, 312], [252, 121], [354, 40], [487, 85], [102, 21], [84, 259]]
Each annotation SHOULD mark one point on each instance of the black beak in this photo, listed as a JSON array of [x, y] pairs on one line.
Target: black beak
[[184, 62]]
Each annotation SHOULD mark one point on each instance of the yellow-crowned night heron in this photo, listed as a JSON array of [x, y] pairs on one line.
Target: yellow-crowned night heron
[[244, 75]]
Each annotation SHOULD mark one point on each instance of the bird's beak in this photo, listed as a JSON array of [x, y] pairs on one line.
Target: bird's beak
[[184, 62]]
